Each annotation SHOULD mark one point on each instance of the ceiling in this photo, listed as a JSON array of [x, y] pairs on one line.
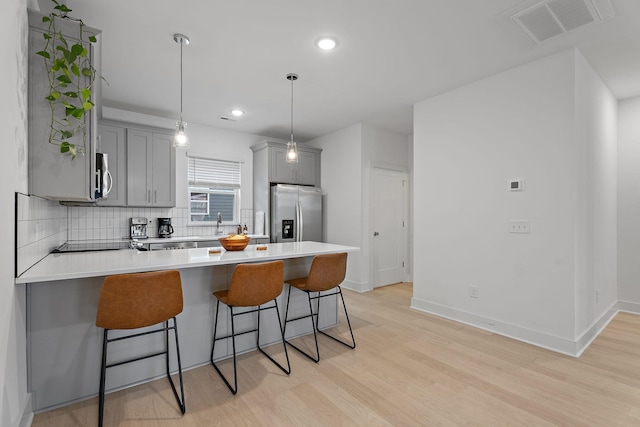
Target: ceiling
[[391, 54]]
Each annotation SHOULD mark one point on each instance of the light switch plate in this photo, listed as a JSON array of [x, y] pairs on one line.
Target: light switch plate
[[519, 226]]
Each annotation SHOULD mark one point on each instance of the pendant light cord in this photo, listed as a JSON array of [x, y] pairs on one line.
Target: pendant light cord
[[181, 45], [292, 79]]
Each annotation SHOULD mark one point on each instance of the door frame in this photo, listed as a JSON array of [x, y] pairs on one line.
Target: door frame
[[405, 234]]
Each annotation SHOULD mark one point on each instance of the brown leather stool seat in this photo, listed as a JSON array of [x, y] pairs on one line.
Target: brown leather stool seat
[[138, 300], [327, 272], [252, 285]]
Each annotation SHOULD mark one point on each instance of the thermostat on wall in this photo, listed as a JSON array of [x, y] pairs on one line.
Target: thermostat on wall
[[516, 185]]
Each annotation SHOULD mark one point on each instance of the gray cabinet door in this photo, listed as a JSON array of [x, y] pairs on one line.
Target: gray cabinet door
[[163, 161], [112, 142], [305, 173], [139, 172], [281, 171]]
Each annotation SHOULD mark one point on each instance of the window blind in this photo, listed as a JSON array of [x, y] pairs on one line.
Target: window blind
[[213, 173]]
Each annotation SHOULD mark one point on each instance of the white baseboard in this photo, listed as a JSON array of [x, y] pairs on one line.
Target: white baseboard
[[537, 338], [27, 413], [585, 340], [629, 307], [355, 286]]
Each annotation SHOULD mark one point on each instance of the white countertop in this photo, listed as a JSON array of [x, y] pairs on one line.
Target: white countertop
[[77, 265]]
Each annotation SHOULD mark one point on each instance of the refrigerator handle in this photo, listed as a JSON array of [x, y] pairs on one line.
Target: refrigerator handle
[[300, 221]]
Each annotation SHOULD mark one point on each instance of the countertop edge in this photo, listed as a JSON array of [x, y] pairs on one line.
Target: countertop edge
[[66, 266]]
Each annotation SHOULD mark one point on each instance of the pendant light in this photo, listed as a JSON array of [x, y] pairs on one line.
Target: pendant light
[[292, 150], [180, 140]]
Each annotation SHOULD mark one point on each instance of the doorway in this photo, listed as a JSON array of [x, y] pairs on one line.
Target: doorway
[[389, 219]]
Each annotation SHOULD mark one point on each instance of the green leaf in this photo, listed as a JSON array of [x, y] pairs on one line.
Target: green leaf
[[64, 147], [46, 36], [75, 70], [77, 49], [46, 19], [93, 39], [55, 94], [87, 72], [78, 113], [44, 54], [64, 79], [66, 134], [84, 53], [49, 98], [86, 94], [87, 105], [71, 94], [70, 56], [63, 8]]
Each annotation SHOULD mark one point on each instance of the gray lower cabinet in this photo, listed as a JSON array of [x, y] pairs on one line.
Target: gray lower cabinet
[[111, 140], [151, 165]]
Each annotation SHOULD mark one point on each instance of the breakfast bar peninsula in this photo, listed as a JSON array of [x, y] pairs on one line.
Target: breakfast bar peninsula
[[64, 345]]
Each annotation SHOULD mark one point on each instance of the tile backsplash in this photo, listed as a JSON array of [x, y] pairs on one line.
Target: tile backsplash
[[41, 227], [100, 223]]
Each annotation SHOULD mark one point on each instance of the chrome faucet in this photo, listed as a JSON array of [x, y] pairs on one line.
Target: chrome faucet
[[218, 222]]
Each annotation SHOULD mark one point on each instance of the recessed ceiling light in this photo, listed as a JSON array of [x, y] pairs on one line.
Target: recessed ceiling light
[[326, 43], [237, 112]]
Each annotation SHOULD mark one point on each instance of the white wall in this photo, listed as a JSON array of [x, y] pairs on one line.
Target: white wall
[[629, 203], [347, 159], [13, 174], [341, 181], [596, 259], [380, 148], [467, 144]]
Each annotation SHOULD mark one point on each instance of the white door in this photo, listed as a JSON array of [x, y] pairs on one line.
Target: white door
[[389, 235]]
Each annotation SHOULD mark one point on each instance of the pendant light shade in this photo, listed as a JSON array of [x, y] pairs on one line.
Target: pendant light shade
[[292, 150], [181, 140]]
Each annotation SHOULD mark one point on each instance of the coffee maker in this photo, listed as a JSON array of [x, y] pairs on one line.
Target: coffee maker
[[164, 227]]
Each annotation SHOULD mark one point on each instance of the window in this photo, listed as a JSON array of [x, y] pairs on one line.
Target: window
[[214, 187]]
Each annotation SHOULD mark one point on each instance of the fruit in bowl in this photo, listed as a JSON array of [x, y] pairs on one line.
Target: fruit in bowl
[[236, 242]]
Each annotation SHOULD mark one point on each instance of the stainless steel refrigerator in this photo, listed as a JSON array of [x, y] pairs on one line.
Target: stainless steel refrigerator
[[296, 213]]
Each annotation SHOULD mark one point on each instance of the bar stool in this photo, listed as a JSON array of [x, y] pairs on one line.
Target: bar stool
[[327, 272], [132, 301], [251, 285]]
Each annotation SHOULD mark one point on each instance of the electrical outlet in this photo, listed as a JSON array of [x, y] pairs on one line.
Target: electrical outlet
[[474, 291], [519, 226]]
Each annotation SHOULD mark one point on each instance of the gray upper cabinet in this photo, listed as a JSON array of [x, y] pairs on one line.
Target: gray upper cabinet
[[305, 172], [111, 141], [151, 166], [54, 175]]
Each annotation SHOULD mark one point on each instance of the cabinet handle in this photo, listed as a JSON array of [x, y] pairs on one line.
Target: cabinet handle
[[155, 196], [148, 196]]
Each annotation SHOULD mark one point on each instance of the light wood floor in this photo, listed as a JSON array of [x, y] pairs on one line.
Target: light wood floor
[[408, 369]]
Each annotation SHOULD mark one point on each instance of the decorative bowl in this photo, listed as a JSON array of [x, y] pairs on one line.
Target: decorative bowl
[[234, 244]]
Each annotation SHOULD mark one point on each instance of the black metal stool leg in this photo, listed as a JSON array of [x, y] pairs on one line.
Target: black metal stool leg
[[313, 325], [286, 370], [353, 340], [181, 402], [103, 372], [234, 388]]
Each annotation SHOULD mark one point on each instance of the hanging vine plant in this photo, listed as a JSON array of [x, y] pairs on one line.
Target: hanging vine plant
[[71, 78]]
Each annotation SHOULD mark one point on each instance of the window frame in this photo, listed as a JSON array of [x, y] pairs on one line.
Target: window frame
[[192, 187]]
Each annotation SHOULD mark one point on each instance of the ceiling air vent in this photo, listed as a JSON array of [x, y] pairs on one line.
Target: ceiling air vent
[[550, 18]]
